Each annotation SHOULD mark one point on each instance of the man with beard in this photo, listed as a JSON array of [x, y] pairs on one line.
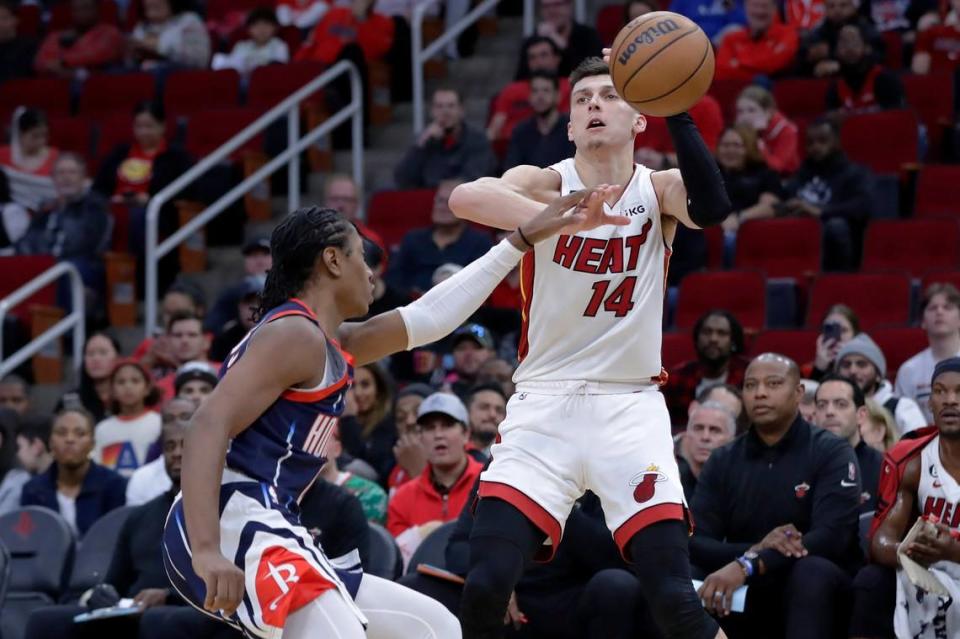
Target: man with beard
[[718, 339], [486, 408], [862, 84], [841, 409], [929, 488], [541, 140]]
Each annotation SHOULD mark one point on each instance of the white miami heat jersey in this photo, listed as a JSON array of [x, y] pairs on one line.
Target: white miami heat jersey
[[939, 493], [593, 302]]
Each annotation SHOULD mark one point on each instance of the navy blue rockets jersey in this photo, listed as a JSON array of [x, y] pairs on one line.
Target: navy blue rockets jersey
[[284, 446]]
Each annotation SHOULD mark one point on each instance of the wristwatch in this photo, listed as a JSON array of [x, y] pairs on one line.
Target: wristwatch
[[749, 561]]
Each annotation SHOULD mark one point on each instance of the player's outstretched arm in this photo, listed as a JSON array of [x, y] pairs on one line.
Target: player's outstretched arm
[[883, 546], [506, 202], [447, 305]]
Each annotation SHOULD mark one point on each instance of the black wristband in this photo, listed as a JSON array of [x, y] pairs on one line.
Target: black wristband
[[524, 238], [707, 199]]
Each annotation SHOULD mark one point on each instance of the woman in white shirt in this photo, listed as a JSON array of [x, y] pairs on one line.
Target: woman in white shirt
[[169, 34], [123, 441]]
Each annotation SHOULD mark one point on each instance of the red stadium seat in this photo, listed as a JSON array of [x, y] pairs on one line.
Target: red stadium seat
[[880, 299], [187, 92], [28, 20], [885, 141], [73, 134], [121, 227], [217, 10], [50, 94], [893, 45], [726, 93], [61, 18], [937, 186], [714, 237], [677, 348], [208, 130], [271, 84], [393, 213], [951, 276], [801, 97], [899, 345], [609, 22], [18, 270], [798, 345], [105, 93], [785, 247], [743, 293], [914, 246], [113, 130], [931, 96]]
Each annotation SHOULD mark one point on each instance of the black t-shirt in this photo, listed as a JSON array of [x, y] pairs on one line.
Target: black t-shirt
[[746, 186], [335, 519], [137, 563]]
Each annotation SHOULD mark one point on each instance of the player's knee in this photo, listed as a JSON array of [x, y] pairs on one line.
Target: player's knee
[[813, 581], [488, 583]]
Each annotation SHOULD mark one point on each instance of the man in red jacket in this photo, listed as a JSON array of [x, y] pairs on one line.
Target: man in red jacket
[[420, 506], [764, 47]]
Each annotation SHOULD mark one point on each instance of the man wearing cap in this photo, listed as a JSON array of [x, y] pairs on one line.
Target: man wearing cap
[[921, 477], [472, 345], [194, 381], [440, 493], [236, 329], [862, 360], [257, 261]]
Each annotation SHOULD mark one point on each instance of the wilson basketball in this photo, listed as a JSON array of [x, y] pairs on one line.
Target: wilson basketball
[[661, 63]]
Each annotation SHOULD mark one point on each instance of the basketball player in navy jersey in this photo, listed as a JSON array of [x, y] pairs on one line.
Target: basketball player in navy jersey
[[233, 545], [588, 414]]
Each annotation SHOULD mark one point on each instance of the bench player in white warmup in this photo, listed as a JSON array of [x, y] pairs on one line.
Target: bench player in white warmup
[[587, 413]]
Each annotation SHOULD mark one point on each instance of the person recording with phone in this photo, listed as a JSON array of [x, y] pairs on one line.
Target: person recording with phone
[[840, 324]]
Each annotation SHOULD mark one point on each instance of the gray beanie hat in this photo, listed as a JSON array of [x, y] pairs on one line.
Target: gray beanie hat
[[863, 345]]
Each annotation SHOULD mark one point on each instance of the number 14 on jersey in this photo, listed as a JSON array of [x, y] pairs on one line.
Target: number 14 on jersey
[[619, 301]]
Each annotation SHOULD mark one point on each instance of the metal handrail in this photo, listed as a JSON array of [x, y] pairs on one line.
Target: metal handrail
[[74, 320], [419, 55], [290, 156]]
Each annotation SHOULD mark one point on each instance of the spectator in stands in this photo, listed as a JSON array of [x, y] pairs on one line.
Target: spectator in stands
[[28, 160], [808, 403], [194, 381], [486, 408], [262, 48], [716, 17], [15, 394], [941, 321], [718, 340], [512, 104], [710, 426], [576, 41], [75, 486], [448, 240], [336, 520], [170, 35], [862, 360], [753, 187], [880, 429], [831, 188], [14, 219], [841, 409], [156, 352], [33, 444], [123, 441], [840, 324], [12, 478], [777, 510], [16, 51], [342, 26], [633, 9], [861, 84], [152, 480], [189, 344], [100, 354], [541, 140], [341, 194], [87, 45], [408, 451], [447, 148], [903, 16], [372, 497], [938, 47], [302, 14], [763, 47], [256, 262], [385, 296], [819, 50], [471, 345], [777, 136], [366, 427], [728, 396], [439, 494], [232, 332], [498, 371]]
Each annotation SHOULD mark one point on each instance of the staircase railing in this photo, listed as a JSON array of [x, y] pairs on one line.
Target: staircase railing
[[155, 250], [74, 321]]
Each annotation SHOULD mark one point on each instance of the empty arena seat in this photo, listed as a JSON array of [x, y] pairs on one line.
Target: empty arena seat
[[17, 270], [899, 345], [801, 97], [62, 18], [393, 213], [726, 92], [951, 276], [271, 84], [893, 50], [676, 349], [799, 345], [28, 20], [73, 134], [914, 246], [50, 94], [433, 549], [886, 141], [937, 186], [96, 550], [743, 293], [878, 299], [609, 22], [931, 96], [187, 92], [105, 93], [784, 247], [208, 130]]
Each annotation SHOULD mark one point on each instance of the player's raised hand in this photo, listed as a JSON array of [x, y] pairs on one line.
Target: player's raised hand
[[591, 213]]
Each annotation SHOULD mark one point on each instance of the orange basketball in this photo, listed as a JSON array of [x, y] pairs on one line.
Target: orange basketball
[[661, 63]]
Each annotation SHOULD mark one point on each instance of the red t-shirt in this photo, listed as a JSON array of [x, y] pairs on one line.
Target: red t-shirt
[[780, 144], [417, 502], [942, 42], [136, 170], [741, 57], [514, 102]]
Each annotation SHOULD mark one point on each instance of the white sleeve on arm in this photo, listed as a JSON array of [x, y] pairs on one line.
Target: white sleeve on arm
[[448, 304]]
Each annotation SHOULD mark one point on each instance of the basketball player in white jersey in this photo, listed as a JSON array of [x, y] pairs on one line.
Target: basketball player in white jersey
[[930, 488], [587, 413]]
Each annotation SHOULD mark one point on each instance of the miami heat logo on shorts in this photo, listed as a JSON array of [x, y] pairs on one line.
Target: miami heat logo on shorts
[[645, 483]]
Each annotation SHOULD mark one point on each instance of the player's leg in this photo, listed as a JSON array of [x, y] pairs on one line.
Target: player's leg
[[396, 612], [503, 542], [329, 615]]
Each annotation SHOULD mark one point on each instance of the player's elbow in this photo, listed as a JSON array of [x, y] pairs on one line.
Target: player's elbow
[[710, 211], [466, 198]]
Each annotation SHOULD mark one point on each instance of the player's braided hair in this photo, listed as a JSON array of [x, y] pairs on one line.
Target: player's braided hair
[[296, 244]]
